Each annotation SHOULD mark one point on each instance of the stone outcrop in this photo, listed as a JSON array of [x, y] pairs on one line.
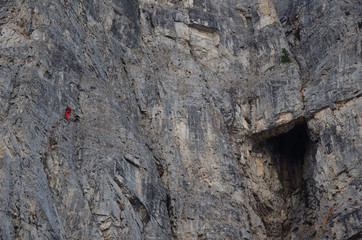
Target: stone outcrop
[[191, 125]]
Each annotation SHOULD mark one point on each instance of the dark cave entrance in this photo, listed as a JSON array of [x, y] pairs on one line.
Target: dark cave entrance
[[288, 151]]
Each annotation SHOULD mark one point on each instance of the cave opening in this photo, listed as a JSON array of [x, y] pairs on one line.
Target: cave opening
[[287, 153], [289, 150]]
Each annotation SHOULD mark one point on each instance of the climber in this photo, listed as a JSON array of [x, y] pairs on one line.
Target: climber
[[67, 112], [76, 118]]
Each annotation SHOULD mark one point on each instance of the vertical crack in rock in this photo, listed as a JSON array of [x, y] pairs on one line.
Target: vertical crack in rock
[[289, 150], [288, 153], [171, 216], [136, 203]]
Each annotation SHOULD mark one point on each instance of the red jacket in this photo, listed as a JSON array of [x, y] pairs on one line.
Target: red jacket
[[67, 112]]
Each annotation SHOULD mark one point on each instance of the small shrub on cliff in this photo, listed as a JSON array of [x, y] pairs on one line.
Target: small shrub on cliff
[[285, 56]]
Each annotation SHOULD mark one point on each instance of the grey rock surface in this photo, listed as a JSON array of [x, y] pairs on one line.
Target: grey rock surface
[[191, 126]]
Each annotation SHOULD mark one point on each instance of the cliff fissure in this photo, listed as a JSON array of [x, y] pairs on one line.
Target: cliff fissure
[[288, 151]]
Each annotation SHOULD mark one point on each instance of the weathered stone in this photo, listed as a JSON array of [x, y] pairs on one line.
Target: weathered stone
[[190, 124]]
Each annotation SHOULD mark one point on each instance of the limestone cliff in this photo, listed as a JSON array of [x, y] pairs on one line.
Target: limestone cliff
[[199, 119]]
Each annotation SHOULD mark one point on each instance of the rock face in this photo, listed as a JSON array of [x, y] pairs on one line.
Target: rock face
[[191, 125]]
